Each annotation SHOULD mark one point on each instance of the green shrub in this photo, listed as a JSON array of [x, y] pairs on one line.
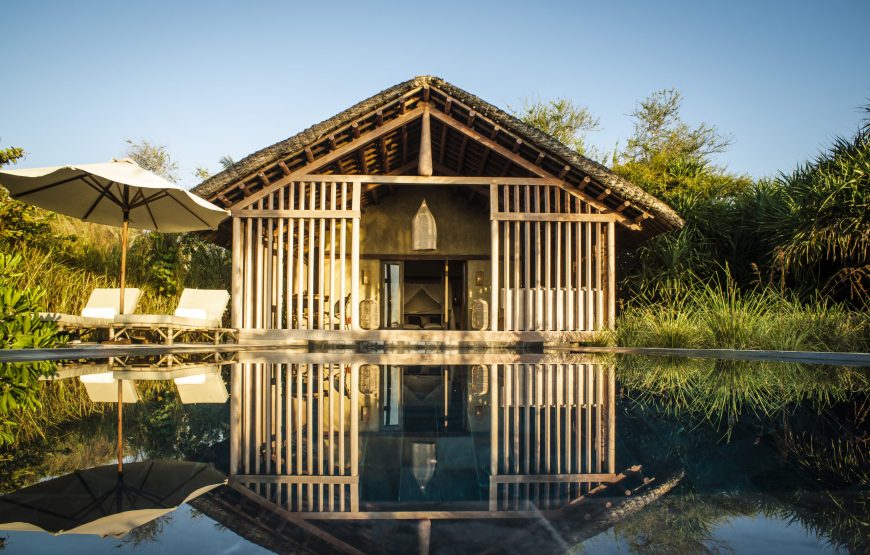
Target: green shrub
[[20, 328]]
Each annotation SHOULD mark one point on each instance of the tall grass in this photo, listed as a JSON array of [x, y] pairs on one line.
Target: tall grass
[[69, 258], [700, 315]]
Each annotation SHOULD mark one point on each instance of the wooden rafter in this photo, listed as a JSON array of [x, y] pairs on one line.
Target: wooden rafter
[[333, 156], [522, 162]]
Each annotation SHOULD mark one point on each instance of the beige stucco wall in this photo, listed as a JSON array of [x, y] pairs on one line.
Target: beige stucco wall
[[463, 228]]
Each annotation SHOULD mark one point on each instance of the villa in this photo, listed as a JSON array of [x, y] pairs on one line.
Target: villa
[[426, 214]]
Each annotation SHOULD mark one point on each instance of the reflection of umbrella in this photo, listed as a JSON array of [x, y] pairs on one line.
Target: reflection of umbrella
[[118, 193], [100, 501]]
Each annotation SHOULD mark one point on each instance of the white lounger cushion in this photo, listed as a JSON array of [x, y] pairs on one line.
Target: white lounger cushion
[[197, 308], [104, 303], [136, 320], [101, 307], [96, 312], [73, 320], [212, 302], [195, 313]]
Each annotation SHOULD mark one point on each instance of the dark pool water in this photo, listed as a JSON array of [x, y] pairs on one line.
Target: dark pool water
[[474, 453]]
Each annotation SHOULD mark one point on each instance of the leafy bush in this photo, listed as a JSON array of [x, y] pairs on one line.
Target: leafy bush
[[20, 327]]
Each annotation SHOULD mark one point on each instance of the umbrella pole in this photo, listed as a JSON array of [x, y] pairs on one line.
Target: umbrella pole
[[120, 427], [123, 260]]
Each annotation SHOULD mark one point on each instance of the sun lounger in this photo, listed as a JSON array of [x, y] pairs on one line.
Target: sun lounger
[[199, 311], [98, 313]]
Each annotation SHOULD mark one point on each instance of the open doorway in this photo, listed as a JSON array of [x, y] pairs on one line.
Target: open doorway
[[424, 295]]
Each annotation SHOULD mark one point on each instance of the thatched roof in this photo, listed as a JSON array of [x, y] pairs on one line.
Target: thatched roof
[[304, 148]]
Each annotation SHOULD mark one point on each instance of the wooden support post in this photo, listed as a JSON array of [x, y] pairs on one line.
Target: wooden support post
[[330, 308], [539, 320], [312, 201], [321, 261], [424, 167], [269, 273], [516, 262], [611, 275], [569, 270], [548, 284], [279, 274], [354, 261], [589, 301], [343, 256], [560, 320], [291, 225], [527, 263], [250, 244], [258, 269], [238, 283], [300, 267], [124, 236], [599, 275], [493, 231]]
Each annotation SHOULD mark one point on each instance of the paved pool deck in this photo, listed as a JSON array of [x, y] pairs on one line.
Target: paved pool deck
[[104, 351]]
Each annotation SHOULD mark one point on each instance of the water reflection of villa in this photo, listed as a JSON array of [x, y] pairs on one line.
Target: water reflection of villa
[[397, 439]]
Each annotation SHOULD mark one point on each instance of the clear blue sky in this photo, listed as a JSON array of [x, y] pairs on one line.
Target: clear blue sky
[[213, 78]]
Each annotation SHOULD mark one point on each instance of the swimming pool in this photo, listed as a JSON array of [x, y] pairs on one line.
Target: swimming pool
[[449, 452]]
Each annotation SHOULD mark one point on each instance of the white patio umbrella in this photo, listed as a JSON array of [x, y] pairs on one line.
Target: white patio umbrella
[[119, 193]]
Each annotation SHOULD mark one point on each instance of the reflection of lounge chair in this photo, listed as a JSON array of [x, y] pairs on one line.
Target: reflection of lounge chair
[[98, 313], [202, 388], [199, 311], [103, 388], [196, 383]]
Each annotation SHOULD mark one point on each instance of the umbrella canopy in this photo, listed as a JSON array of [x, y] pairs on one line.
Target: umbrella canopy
[[111, 193], [102, 502], [119, 193]]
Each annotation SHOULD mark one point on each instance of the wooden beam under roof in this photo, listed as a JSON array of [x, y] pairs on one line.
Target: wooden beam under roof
[[462, 147], [331, 157], [443, 152], [425, 158], [382, 148], [522, 162]]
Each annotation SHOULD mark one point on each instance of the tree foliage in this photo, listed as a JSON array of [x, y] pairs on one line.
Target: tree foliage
[[154, 158], [820, 221], [667, 156], [563, 120], [10, 155]]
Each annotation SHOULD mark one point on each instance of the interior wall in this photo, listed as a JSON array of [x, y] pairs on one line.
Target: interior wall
[[463, 228]]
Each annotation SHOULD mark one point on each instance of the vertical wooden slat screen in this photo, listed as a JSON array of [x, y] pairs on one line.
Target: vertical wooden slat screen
[[553, 261], [298, 281], [298, 450], [552, 433]]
